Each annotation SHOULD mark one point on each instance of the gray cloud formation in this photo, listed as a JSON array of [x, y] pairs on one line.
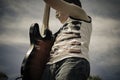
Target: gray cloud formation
[[11, 58], [105, 42], [16, 16], [103, 8]]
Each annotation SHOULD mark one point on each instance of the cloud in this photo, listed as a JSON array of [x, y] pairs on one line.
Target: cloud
[[105, 34], [105, 48], [11, 57], [106, 62], [102, 8]]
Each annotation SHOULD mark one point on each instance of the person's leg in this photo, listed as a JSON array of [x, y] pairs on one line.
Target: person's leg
[[73, 69], [46, 74]]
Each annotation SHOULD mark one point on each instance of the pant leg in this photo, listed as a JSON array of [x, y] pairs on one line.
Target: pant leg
[[47, 73], [73, 69]]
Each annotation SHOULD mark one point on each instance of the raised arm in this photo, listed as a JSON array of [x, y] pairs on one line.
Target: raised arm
[[70, 9]]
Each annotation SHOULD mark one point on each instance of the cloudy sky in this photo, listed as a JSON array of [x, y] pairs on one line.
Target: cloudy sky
[[16, 16]]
